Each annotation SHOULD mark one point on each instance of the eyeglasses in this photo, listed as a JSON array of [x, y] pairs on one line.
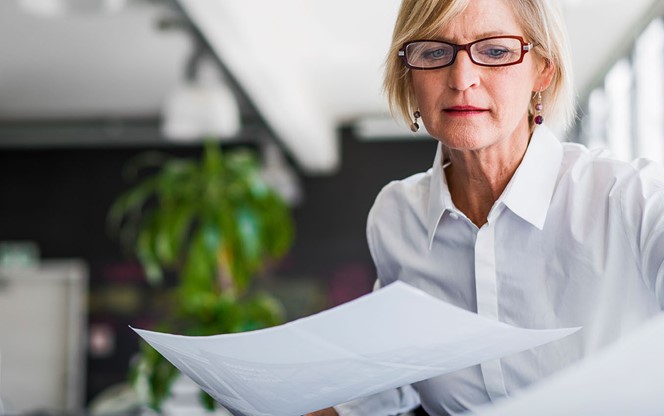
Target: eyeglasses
[[493, 51]]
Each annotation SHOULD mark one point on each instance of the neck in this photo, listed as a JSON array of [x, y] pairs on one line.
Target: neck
[[477, 178]]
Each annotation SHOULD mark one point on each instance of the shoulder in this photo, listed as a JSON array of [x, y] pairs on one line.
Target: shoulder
[[402, 195], [631, 191], [399, 211], [599, 169], [396, 221], [579, 161]]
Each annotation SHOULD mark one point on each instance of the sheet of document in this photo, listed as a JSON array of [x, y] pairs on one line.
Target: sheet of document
[[623, 379], [389, 338]]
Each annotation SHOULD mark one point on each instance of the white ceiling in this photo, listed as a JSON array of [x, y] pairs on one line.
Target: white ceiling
[[307, 65], [87, 65]]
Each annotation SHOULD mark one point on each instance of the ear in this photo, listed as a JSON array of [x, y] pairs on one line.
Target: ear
[[546, 71]]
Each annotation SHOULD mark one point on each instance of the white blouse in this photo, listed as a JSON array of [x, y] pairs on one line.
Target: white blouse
[[576, 239]]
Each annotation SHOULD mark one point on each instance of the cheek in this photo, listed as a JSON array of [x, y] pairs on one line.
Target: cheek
[[426, 88], [511, 94], [522, 98]]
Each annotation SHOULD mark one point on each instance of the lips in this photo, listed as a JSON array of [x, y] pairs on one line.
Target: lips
[[464, 110]]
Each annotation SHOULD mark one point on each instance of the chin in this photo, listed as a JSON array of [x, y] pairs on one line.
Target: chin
[[465, 138]]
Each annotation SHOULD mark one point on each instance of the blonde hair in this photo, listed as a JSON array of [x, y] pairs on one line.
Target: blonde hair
[[542, 25]]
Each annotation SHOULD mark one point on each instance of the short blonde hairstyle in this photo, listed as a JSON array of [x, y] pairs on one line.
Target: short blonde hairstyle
[[542, 25]]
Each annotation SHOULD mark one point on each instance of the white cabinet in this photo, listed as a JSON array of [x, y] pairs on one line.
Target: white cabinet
[[42, 337]]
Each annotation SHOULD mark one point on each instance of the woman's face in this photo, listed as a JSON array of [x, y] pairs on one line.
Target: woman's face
[[471, 107]]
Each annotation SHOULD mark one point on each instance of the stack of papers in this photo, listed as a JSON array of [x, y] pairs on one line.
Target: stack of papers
[[392, 337], [624, 379]]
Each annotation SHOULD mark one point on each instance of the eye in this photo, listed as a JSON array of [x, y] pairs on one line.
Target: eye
[[429, 54], [495, 52], [436, 54]]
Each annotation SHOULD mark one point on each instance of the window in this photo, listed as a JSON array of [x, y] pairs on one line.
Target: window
[[626, 113]]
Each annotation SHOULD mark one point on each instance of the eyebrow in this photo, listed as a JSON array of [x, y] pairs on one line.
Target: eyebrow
[[494, 33], [484, 35]]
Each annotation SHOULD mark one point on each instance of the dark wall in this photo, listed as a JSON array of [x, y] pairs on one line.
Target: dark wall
[[332, 220], [59, 198]]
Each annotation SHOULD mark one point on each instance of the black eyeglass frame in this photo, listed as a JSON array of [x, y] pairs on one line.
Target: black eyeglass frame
[[525, 48]]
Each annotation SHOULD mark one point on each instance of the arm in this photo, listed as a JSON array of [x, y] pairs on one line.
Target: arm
[[387, 403], [391, 402], [642, 205]]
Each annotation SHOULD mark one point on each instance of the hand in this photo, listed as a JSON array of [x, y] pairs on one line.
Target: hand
[[324, 412]]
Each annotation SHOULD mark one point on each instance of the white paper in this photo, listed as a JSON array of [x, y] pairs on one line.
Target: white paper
[[624, 379], [392, 337]]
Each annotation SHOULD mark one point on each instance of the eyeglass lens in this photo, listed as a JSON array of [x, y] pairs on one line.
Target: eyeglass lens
[[491, 52]]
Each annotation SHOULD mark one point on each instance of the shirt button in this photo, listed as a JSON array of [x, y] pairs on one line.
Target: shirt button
[[454, 215]]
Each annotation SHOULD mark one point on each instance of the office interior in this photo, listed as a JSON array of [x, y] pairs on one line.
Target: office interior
[[86, 86]]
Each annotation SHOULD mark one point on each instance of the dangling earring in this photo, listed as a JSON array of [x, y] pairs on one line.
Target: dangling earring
[[538, 107], [415, 126]]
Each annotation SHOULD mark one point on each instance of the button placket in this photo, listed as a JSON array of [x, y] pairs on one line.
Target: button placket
[[487, 301]]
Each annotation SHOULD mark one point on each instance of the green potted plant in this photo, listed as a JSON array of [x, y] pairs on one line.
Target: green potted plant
[[216, 224]]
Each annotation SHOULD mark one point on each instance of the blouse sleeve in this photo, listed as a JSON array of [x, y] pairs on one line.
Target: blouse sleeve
[[643, 211], [395, 401]]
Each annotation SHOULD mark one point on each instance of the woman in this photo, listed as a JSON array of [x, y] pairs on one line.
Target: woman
[[509, 222]]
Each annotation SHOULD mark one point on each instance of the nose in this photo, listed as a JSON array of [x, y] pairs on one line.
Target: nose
[[463, 73]]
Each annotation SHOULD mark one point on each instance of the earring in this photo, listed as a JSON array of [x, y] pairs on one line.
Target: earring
[[538, 107], [415, 126]]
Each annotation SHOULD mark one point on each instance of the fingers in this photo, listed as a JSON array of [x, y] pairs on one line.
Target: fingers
[[324, 412]]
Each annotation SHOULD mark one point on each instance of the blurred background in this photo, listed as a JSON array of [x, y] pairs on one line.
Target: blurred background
[[86, 85]]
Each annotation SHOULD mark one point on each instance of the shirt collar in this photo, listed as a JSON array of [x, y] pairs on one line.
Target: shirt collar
[[529, 192], [439, 195]]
